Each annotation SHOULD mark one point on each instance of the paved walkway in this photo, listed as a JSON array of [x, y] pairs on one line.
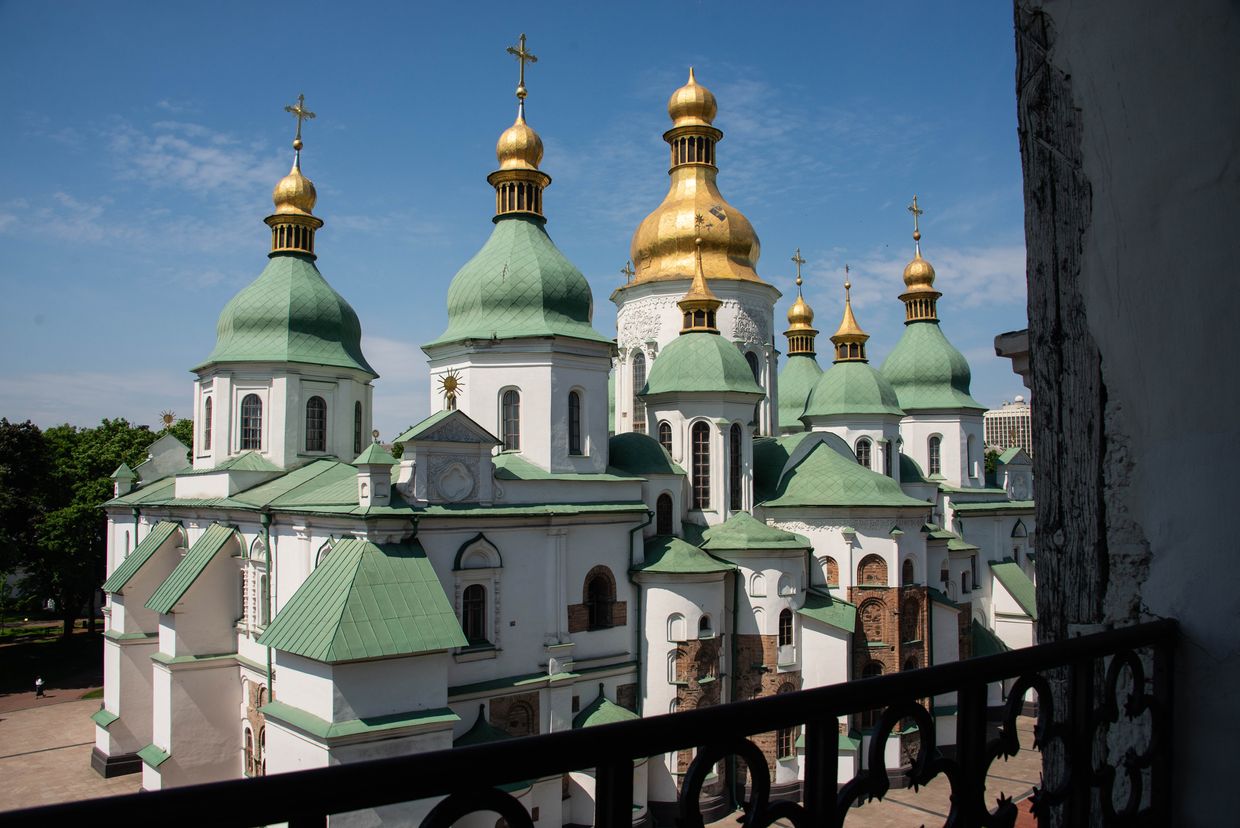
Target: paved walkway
[[45, 752]]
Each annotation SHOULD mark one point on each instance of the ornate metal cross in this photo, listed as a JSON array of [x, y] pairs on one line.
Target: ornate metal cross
[[628, 271], [847, 285], [300, 112], [523, 57], [799, 261], [917, 212]]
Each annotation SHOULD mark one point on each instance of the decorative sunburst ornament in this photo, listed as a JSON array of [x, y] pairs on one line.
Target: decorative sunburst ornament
[[450, 385], [168, 418]]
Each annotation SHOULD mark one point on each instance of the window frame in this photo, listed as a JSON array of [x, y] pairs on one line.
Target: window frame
[[208, 411], [358, 439], [736, 446], [510, 419], [250, 422], [638, 372], [864, 445], [474, 612], [934, 454], [316, 425], [699, 464], [575, 442], [665, 431], [668, 528]]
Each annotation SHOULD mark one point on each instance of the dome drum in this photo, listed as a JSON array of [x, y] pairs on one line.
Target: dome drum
[[292, 233], [692, 145], [518, 191]]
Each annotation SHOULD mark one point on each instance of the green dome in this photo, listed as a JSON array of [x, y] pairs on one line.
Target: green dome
[[289, 314], [700, 361], [519, 284], [796, 382], [640, 454], [852, 388], [927, 372]]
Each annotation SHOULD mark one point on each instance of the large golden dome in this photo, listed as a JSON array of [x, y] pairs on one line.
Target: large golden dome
[[663, 247], [294, 194], [519, 147]]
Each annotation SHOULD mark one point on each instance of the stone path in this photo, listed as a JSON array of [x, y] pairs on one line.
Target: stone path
[[45, 753]]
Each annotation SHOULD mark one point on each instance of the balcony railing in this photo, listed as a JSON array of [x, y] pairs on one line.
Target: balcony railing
[[1088, 688]]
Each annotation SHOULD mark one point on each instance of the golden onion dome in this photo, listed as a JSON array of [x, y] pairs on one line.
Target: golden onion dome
[[692, 104], [800, 315], [294, 194], [519, 147], [919, 273]]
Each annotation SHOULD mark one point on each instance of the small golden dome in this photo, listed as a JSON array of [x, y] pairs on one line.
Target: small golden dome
[[519, 147], [848, 324], [295, 193], [692, 104], [919, 273], [800, 315]]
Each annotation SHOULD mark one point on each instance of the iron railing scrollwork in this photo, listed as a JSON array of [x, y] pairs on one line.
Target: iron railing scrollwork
[[1098, 696]]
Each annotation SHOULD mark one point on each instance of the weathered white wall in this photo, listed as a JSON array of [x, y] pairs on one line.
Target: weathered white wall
[[1159, 105]]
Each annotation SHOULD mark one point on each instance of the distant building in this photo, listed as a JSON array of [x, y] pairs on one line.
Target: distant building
[[1009, 426]]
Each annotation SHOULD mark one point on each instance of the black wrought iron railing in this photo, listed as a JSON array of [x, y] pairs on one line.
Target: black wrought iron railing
[[1104, 713]]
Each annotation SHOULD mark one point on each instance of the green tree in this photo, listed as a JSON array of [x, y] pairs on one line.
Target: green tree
[[24, 463]]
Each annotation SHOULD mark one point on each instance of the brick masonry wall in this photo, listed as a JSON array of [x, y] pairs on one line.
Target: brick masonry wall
[[758, 675], [579, 616], [517, 714]]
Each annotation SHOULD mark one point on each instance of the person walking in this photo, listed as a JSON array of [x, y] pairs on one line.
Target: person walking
[[38, 687]]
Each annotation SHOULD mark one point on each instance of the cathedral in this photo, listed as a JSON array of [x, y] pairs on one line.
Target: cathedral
[[585, 529]]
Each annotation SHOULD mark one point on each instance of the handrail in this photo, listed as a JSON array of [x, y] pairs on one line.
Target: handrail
[[307, 796]]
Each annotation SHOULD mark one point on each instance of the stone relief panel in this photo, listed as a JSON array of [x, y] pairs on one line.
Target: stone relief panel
[[753, 329], [453, 477], [869, 526], [641, 320], [452, 433]]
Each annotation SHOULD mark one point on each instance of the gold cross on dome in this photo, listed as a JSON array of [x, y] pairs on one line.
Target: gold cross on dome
[[917, 213], [799, 261], [523, 57], [628, 271], [301, 113]]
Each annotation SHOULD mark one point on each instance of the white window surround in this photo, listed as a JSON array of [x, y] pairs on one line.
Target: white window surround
[[757, 585], [239, 393], [676, 628], [480, 563]]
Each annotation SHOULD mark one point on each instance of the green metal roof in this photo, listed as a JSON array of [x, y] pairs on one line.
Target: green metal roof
[[142, 553], [852, 388], [602, 711], [154, 756], [669, 555], [820, 605], [770, 455], [123, 472], [701, 362], [518, 285], [482, 732], [994, 506], [825, 477], [104, 717], [1018, 585], [985, 642], [960, 545], [941, 597], [742, 531], [247, 461], [367, 601], [910, 472], [512, 466], [324, 729], [375, 455], [927, 372], [289, 314], [175, 586], [428, 425], [1010, 454], [796, 381], [640, 454]]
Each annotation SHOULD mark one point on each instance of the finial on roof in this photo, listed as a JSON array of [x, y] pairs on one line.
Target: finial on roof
[[700, 303], [849, 339], [800, 331], [920, 297], [523, 57], [518, 182]]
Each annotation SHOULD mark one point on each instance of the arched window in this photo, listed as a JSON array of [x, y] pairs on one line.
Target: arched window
[[639, 382], [665, 435], [887, 457], [521, 719], [262, 751], [473, 614], [785, 739], [574, 422], [700, 445], [675, 667], [906, 573], [785, 628], [357, 428], [600, 598], [248, 767], [910, 620], [316, 424], [757, 585], [863, 451], [676, 627], [206, 425], [754, 366], [964, 582], [735, 494], [511, 420], [663, 514], [251, 422], [912, 663], [935, 450], [972, 470], [704, 628], [832, 569], [871, 614], [872, 571]]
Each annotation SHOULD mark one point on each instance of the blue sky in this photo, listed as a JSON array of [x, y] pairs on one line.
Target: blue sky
[[142, 140]]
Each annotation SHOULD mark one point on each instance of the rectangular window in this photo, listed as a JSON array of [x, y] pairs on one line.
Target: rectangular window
[[700, 442]]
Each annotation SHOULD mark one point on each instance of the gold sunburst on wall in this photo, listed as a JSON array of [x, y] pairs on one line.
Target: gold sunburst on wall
[[450, 385]]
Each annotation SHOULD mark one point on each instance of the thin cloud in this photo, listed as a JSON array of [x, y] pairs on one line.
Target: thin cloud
[[401, 390]]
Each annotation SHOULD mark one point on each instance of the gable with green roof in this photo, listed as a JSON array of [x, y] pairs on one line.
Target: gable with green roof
[[602, 711], [365, 601], [742, 531], [824, 477], [195, 562], [635, 453], [668, 555], [1017, 584], [155, 538], [822, 606]]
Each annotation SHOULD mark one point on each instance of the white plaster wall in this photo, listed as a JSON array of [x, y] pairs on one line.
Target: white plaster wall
[[954, 427], [202, 731], [305, 684], [665, 596], [127, 692], [826, 654], [392, 685]]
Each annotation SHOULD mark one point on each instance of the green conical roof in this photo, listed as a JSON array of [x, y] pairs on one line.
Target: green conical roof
[[668, 555], [927, 372], [518, 285], [602, 711], [796, 381], [700, 361], [852, 388], [289, 314]]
